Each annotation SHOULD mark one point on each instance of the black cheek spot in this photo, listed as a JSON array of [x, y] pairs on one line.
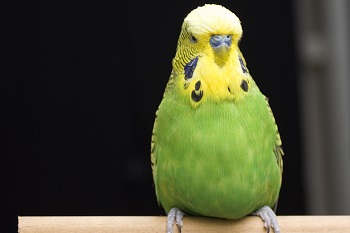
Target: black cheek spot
[[244, 85], [190, 67], [195, 97], [229, 90], [244, 68], [197, 86]]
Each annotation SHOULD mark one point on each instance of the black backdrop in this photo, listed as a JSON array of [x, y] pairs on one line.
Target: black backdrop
[[79, 88]]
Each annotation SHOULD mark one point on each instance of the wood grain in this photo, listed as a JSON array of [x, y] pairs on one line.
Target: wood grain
[[288, 224]]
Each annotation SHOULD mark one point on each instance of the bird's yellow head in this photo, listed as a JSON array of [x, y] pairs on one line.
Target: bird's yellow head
[[208, 63]]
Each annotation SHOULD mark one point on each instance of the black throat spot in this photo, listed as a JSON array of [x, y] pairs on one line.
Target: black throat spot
[[196, 97], [244, 85]]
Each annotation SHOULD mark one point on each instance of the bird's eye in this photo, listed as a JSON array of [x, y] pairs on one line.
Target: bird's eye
[[193, 39]]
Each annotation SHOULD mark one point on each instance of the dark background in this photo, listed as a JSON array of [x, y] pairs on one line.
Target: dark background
[[79, 89]]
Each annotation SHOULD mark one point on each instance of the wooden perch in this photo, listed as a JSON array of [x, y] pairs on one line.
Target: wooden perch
[[288, 224]]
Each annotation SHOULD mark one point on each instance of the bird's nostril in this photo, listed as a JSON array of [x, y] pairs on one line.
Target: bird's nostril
[[217, 41]]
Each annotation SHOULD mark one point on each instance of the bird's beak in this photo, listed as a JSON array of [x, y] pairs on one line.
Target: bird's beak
[[221, 45]]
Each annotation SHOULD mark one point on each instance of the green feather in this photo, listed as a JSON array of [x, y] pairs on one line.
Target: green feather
[[218, 160]]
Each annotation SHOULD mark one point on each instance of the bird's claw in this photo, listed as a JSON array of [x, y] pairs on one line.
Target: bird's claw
[[174, 214], [269, 218]]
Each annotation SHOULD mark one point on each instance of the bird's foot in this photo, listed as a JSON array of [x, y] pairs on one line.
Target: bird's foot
[[174, 214], [269, 218]]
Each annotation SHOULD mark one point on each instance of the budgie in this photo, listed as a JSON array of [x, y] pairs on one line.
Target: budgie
[[216, 150]]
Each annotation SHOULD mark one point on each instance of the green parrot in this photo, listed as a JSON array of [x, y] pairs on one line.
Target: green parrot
[[216, 150]]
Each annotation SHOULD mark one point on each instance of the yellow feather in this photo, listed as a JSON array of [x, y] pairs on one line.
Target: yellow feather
[[222, 75]]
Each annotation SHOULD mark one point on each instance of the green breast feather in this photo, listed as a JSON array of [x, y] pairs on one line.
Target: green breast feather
[[217, 160]]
